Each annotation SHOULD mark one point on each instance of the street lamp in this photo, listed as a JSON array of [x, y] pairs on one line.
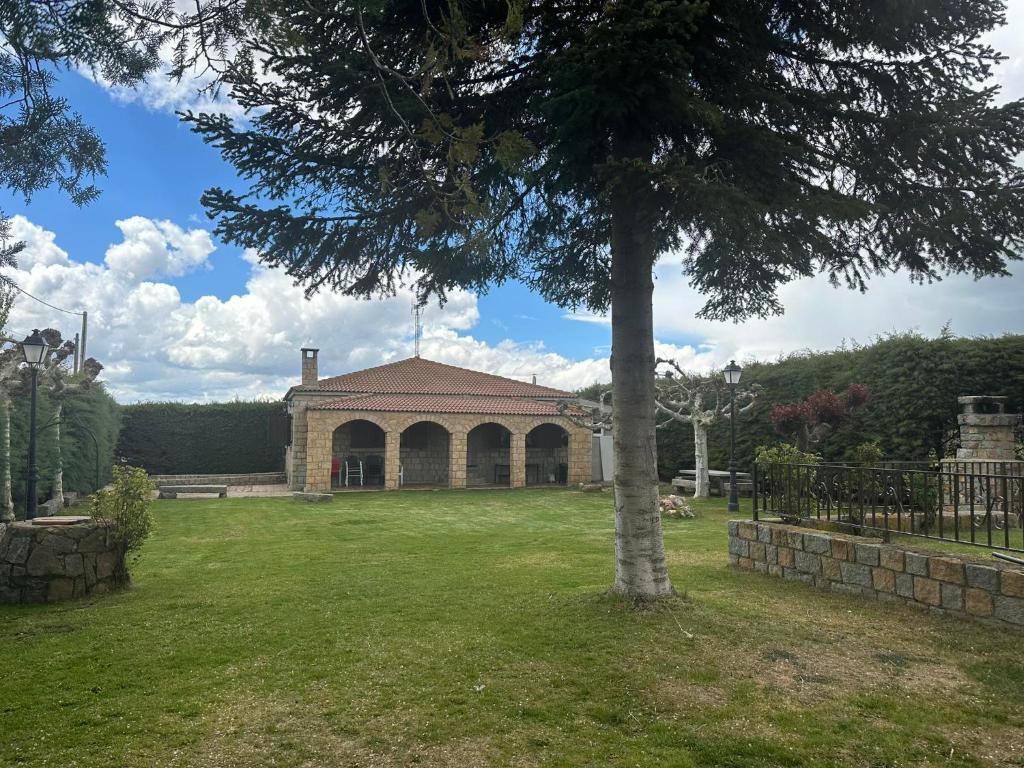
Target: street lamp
[[732, 378], [34, 350]]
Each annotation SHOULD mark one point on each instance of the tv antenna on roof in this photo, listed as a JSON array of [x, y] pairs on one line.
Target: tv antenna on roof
[[417, 327]]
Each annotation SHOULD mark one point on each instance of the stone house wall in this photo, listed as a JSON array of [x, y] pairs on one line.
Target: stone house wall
[[867, 567], [50, 563], [319, 427]]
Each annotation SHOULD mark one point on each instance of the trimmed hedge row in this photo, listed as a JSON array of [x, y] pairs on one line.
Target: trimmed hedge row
[[207, 438], [914, 384]]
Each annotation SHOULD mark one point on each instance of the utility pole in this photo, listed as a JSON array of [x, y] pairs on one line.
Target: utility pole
[[77, 363], [85, 330]]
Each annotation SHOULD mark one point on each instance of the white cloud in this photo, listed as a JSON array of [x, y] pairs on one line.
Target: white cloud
[[157, 249], [40, 245], [155, 345]]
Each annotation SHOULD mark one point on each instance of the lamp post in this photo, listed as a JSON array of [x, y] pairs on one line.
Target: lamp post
[[732, 378], [33, 349]]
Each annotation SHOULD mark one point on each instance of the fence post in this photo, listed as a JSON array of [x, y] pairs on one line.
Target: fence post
[[755, 491]]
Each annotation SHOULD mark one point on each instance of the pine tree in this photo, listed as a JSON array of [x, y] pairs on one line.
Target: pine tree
[[572, 144]]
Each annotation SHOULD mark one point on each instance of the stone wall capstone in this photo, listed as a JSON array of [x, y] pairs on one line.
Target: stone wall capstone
[[51, 563], [856, 565]]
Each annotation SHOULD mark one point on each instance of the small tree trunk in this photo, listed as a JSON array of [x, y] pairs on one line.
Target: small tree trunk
[[58, 472], [6, 498], [700, 454], [640, 570]]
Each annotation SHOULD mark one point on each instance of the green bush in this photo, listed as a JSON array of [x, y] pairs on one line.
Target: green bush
[[868, 453], [784, 453], [194, 438], [125, 506]]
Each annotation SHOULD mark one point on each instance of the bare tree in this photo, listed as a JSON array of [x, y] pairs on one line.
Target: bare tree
[[700, 401], [680, 397]]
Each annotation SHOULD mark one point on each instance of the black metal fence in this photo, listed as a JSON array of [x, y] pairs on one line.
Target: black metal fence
[[971, 502]]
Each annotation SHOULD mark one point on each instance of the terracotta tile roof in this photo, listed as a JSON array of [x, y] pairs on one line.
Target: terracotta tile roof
[[509, 406], [416, 376]]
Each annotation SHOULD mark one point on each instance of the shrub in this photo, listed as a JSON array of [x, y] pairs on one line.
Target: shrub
[[784, 453], [125, 506], [868, 453]]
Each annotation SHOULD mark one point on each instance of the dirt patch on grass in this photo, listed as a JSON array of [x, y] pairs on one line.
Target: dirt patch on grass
[[254, 730], [686, 696], [810, 677], [994, 745]]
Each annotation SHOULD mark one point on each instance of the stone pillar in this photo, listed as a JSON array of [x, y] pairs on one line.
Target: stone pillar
[[318, 456], [580, 447], [392, 458], [517, 459], [986, 430], [986, 455], [458, 442]]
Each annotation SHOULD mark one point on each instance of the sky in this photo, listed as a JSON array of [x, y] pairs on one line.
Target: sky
[[175, 314]]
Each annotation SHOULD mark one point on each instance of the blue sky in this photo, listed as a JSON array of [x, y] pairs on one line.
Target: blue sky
[[178, 315]]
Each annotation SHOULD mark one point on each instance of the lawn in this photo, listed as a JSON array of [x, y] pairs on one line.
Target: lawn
[[470, 628]]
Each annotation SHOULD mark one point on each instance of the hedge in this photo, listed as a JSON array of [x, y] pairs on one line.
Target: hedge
[[88, 436], [914, 382], [196, 438]]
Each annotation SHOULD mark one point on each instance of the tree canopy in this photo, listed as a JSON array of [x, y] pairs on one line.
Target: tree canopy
[[461, 144]]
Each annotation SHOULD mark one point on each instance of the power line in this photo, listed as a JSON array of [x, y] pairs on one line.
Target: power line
[[46, 303]]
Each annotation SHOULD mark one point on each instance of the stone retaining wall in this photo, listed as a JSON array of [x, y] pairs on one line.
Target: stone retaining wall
[[251, 478], [857, 565], [50, 563]]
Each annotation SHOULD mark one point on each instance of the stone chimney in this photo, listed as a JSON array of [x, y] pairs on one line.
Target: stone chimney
[[310, 375], [986, 430]]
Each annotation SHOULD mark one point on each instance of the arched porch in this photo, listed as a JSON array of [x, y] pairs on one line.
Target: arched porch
[[425, 455], [547, 455]]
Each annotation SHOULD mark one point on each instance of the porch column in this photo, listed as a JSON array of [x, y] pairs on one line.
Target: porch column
[[581, 444], [517, 459], [392, 458], [318, 457], [458, 442]]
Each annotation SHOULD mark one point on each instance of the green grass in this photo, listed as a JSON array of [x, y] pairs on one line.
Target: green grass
[[471, 628]]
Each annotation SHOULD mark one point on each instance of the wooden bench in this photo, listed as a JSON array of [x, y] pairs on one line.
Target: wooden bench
[[173, 491]]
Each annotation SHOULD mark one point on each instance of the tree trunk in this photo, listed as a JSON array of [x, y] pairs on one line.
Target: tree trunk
[[700, 455], [6, 499], [640, 570], [58, 472]]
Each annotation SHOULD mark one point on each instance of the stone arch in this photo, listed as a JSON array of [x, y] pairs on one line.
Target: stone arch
[[547, 453], [425, 452], [489, 453], [407, 420], [513, 425], [361, 439]]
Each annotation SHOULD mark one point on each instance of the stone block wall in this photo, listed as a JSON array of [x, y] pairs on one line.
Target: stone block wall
[[249, 478], [857, 565], [547, 461], [50, 563], [426, 462]]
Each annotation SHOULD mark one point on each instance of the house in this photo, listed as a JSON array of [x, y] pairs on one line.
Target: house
[[416, 422]]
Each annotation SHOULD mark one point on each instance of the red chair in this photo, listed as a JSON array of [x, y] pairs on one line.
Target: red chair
[[335, 471]]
